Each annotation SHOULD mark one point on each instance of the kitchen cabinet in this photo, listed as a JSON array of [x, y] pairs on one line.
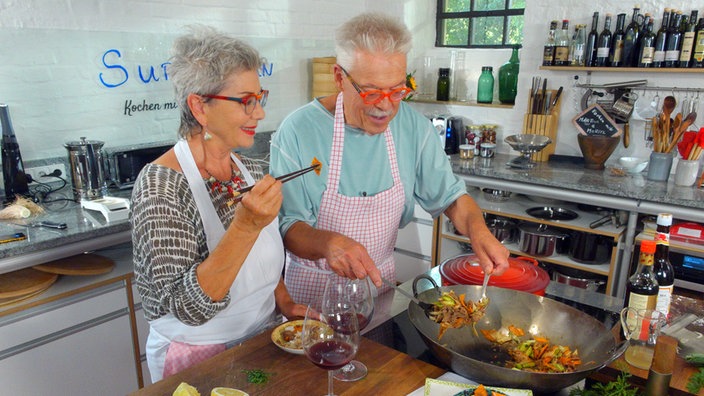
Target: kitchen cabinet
[[76, 345], [413, 251], [450, 244]]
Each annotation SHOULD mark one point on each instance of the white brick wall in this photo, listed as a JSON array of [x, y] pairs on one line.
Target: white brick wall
[[51, 56]]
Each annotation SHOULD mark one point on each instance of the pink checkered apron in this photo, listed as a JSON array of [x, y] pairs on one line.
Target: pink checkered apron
[[372, 221]]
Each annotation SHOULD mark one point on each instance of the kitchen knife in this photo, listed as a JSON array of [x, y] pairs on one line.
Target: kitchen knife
[[46, 224], [555, 99]]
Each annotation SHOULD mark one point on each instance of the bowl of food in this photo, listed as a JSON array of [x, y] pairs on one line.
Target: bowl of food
[[633, 164], [287, 336]]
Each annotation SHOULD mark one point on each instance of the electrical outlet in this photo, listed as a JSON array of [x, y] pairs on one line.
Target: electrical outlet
[[38, 171]]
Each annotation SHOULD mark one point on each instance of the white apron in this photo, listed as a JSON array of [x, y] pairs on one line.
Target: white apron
[[372, 221], [252, 293]]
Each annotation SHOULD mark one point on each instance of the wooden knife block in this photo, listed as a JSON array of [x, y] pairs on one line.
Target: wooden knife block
[[546, 125]]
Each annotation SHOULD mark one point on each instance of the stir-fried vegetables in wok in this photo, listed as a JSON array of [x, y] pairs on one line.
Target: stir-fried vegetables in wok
[[536, 354], [452, 311]]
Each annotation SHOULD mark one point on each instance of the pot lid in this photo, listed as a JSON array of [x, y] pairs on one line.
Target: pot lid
[[521, 275], [78, 144], [540, 229], [552, 213]]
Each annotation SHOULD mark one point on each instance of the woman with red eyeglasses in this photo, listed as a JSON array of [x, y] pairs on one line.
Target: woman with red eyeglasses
[[379, 157], [207, 268]]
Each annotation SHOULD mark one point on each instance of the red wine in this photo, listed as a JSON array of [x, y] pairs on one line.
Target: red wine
[[345, 327], [330, 355]]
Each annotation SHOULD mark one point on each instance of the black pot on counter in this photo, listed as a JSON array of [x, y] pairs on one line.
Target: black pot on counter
[[541, 240], [587, 248]]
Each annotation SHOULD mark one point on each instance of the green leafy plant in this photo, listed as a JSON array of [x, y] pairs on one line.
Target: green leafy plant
[[619, 387], [696, 381], [256, 376]]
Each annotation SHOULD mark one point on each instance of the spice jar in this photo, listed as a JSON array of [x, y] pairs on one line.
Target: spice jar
[[466, 151], [489, 133], [486, 150]]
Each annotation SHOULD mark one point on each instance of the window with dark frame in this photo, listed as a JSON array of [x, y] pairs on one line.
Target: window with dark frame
[[479, 23]]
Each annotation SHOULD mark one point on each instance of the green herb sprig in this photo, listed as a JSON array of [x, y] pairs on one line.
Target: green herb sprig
[[619, 387], [257, 376], [696, 381]]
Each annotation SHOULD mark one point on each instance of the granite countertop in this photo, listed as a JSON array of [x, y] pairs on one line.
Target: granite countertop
[[573, 181], [86, 230]]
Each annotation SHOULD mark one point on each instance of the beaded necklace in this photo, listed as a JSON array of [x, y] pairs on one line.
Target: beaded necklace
[[235, 183]]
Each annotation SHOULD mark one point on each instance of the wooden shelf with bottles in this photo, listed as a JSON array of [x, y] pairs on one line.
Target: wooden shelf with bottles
[[624, 69], [462, 103]]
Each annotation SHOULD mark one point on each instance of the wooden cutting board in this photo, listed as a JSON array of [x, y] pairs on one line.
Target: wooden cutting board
[[23, 282], [82, 264]]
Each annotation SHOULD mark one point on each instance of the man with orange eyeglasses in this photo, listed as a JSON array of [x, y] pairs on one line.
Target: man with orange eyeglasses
[[379, 157]]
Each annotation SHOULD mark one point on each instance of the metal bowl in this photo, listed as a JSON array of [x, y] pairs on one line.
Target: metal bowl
[[474, 357], [493, 195], [527, 143]]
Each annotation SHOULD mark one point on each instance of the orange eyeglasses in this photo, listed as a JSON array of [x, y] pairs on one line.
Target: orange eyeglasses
[[374, 96]]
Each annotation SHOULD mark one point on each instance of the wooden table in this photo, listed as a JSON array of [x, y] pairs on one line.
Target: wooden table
[[678, 383], [390, 372]]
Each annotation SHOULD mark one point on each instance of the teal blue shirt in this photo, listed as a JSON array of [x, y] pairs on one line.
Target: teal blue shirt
[[306, 133]]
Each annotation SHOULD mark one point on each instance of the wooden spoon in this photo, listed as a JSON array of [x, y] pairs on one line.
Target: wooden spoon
[[667, 107], [689, 120]]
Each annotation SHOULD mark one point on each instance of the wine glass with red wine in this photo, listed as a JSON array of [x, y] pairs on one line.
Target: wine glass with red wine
[[362, 298], [330, 334]]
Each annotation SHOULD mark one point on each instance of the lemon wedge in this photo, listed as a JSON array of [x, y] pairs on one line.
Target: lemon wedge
[[222, 391], [185, 389]]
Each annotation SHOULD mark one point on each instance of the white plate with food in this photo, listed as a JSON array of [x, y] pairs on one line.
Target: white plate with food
[[437, 387], [287, 336]]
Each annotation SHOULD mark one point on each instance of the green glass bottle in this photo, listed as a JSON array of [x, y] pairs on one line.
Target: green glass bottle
[[508, 78], [485, 85]]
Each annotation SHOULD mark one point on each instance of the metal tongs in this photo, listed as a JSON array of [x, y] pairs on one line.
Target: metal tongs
[[238, 194], [424, 305]]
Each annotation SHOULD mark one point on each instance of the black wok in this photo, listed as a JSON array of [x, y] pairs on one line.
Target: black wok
[[478, 359]]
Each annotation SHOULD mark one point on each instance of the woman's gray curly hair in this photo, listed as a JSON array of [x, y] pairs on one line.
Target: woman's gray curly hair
[[201, 61], [370, 32]]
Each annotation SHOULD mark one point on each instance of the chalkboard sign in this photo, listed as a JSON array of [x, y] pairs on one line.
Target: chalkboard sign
[[594, 121]]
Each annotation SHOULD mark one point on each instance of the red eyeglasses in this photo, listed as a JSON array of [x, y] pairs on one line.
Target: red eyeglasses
[[374, 96], [248, 101]]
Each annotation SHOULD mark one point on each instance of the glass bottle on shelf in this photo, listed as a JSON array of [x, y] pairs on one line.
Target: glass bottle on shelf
[[673, 43], [616, 54], [688, 37], [647, 46], [508, 78], [443, 89], [590, 46], [642, 287], [698, 53], [661, 40], [485, 85], [603, 44], [662, 268], [577, 47], [630, 40], [562, 45], [549, 46]]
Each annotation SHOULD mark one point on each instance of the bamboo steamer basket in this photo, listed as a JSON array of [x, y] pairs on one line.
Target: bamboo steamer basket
[[323, 78]]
